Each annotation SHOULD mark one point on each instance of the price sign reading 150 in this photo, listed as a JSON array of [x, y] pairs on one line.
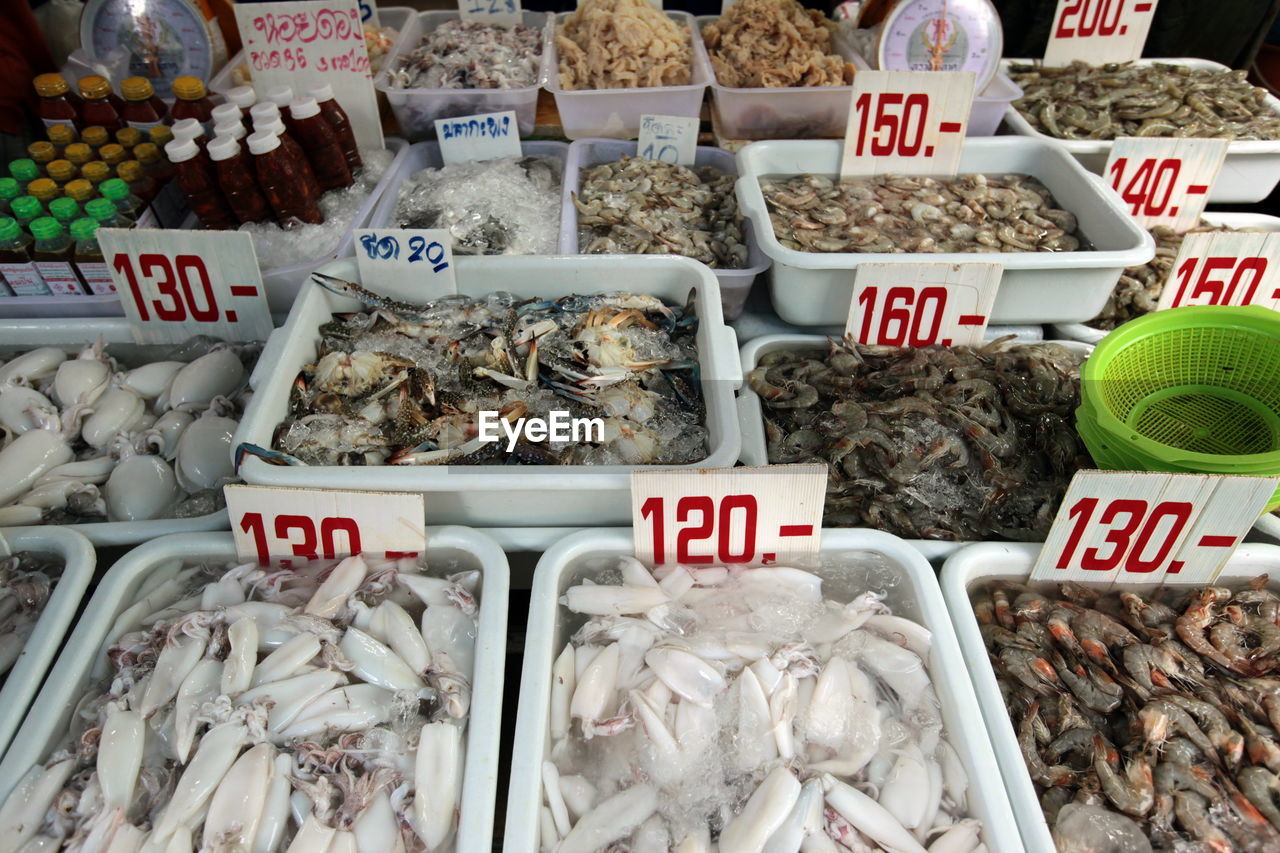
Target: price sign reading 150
[[911, 122]]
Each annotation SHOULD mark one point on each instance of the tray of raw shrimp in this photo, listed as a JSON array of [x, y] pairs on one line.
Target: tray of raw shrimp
[[218, 704], [772, 707], [1127, 717]]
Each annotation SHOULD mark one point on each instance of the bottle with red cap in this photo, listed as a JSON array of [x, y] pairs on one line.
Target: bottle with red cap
[[142, 109], [320, 142], [337, 118], [295, 151], [237, 181], [281, 180], [56, 101], [99, 108], [199, 184]]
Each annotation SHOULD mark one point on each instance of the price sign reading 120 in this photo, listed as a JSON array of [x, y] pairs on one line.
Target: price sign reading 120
[[911, 122], [1225, 268], [1126, 526], [1098, 31], [1165, 181], [915, 305], [727, 516]]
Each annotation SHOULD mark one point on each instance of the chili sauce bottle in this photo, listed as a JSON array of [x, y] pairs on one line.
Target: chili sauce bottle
[[199, 184], [57, 104], [237, 180], [337, 118], [143, 110], [320, 142], [99, 108], [281, 180]]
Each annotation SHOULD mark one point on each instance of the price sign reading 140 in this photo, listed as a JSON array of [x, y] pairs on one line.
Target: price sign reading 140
[[916, 305], [910, 122], [175, 284], [1225, 268], [1098, 31], [1165, 181], [1129, 527], [723, 516]]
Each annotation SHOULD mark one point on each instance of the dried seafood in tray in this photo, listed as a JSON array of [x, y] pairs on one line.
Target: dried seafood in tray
[[622, 44], [471, 55], [769, 43]]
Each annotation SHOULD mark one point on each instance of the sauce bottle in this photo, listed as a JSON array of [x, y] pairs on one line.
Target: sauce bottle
[[243, 97], [80, 190], [78, 153], [62, 171], [280, 96], [56, 104], [105, 213], [129, 137], [142, 109], [191, 101], [15, 261], [65, 210], [263, 113], [295, 151], [126, 202], [281, 180], [52, 257], [113, 154], [9, 190], [25, 208], [225, 114], [199, 183], [161, 136], [234, 130], [42, 154], [320, 142], [190, 129], [24, 171], [88, 258], [337, 118], [61, 135], [154, 162], [140, 183], [95, 172], [95, 137], [98, 107], [43, 190], [237, 181]]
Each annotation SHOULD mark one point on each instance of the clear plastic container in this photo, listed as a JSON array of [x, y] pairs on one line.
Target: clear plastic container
[[735, 285], [416, 110], [990, 104], [615, 113]]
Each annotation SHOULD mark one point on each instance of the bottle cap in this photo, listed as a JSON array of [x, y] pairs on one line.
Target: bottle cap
[[224, 113], [24, 170], [130, 170], [114, 189], [79, 189], [9, 229], [242, 96], [78, 153], [113, 154], [304, 108], [264, 111], [161, 135], [280, 96], [84, 228], [9, 188], [263, 141], [322, 93], [94, 87], [42, 152], [61, 134], [64, 209], [95, 171], [187, 128], [43, 189], [136, 89], [25, 207], [181, 150], [234, 129], [128, 136], [50, 85], [188, 88], [102, 209], [275, 126], [61, 170], [223, 148], [45, 228], [96, 136], [147, 153]]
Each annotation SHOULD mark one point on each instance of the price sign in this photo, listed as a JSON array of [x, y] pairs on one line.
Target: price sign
[[1138, 527], [412, 265], [506, 13], [915, 305], [723, 516], [484, 137], [671, 139], [1165, 181], [1225, 268], [175, 284], [369, 13], [1098, 31], [911, 122], [279, 525], [306, 43]]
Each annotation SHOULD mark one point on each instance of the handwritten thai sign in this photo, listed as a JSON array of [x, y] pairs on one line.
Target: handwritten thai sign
[[481, 137]]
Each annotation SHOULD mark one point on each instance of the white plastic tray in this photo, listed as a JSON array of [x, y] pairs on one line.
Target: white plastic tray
[[852, 562], [50, 718], [72, 335], [735, 285], [615, 113], [1251, 170], [504, 495], [987, 561], [416, 110], [20, 685], [815, 288]]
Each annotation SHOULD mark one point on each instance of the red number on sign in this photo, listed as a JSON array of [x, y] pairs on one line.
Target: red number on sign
[[1092, 560], [746, 503], [1218, 291], [173, 281], [331, 526], [1098, 22], [901, 134], [1150, 189], [899, 324], [651, 511], [252, 522], [150, 264], [307, 547], [1179, 512], [1125, 548], [194, 263], [711, 520], [685, 507]]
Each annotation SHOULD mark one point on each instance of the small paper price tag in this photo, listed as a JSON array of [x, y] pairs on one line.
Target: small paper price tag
[[723, 516], [283, 526], [915, 305], [1140, 527], [671, 139], [910, 122], [1165, 181], [1098, 31], [175, 284], [369, 13], [469, 139], [1225, 268], [406, 264], [506, 13]]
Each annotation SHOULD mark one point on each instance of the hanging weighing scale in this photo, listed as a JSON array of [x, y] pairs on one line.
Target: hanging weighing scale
[[164, 38], [942, 35]]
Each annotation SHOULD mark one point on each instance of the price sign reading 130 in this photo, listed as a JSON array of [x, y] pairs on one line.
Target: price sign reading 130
[[911, 122], [1165, 181]]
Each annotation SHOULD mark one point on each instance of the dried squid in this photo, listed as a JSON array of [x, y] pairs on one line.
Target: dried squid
[[765, 43], [622, 44], [471, 55]]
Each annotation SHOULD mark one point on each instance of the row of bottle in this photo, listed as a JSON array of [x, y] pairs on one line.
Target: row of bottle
[[97, 105], [277, 172], [54, 259]]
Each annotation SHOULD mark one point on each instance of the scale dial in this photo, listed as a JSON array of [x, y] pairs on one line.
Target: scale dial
[[943, 35], [165, 38]]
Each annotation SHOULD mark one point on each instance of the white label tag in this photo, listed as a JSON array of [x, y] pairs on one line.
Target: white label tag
[[909, 122], [308, 43], [1165, 181], [915, 305], [412, 265], [24, 280], [671, 139], [61, 278], [1139, 527], [469, 139], [505, 13], [279, 525], [1225, 268], [1098, 31], [175, 284], [724, 516], [97, 276]]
